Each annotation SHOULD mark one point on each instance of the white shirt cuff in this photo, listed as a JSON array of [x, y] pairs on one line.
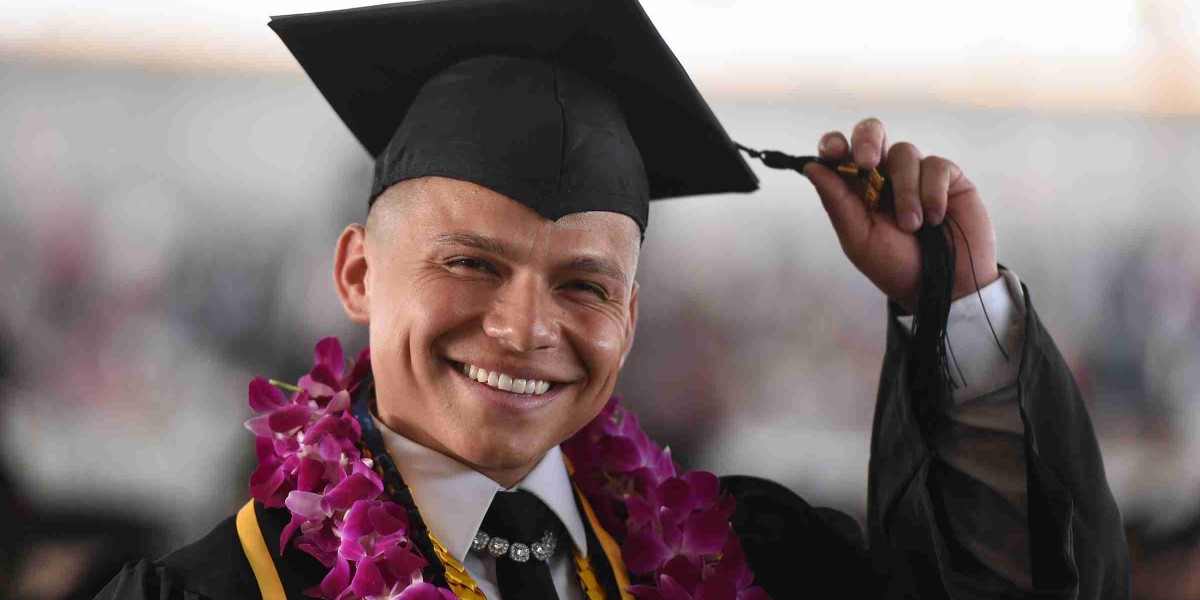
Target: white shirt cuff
[[977, 367]]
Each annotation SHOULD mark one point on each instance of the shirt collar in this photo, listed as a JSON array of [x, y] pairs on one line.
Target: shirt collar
[[453, 498]]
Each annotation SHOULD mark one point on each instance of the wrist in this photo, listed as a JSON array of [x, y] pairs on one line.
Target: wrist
[[965, 286]]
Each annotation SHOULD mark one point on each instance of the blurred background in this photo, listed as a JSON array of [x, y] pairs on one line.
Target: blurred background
[[172, 186]]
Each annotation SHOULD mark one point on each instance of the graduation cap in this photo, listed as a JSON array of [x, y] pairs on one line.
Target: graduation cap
[[563, 105]]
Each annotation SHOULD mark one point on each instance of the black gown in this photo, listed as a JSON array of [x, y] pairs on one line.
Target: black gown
[[1076, 541]]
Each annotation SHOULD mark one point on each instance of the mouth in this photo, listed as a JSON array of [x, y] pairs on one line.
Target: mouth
[[511, 390]]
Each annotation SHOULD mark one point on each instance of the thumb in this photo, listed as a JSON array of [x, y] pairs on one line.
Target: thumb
[[847, 213]]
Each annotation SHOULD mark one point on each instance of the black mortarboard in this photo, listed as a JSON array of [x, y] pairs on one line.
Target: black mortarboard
[[563, 105]]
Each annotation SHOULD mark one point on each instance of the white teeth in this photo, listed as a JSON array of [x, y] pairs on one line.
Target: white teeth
[[506, 382]]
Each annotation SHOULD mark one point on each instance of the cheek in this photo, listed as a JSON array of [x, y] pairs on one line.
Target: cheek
[[414, 316], [600, 341]]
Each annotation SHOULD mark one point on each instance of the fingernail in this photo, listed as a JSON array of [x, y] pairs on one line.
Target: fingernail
[[910, 221], [823, 146], [865, 156]]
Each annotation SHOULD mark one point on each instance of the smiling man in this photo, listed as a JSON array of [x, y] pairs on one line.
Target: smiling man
[[476, 452], [498, 332]]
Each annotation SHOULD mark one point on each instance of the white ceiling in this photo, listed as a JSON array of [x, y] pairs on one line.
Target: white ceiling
[[1102, 53]]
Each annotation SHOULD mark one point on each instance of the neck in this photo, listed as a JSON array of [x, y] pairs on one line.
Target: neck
[[505, 476]]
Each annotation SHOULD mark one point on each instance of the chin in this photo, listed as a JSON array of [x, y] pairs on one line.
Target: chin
[[505, 451]]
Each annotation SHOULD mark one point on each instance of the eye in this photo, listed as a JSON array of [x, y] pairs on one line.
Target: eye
[[473, 264], [588, 286]]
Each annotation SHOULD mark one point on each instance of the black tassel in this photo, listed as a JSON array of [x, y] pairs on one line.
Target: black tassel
[[927, 367]]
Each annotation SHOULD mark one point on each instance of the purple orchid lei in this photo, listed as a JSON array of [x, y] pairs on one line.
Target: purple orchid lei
[[308, 461], [673, 528]]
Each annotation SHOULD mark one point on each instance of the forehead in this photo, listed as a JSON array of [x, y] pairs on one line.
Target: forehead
[[429, 207]]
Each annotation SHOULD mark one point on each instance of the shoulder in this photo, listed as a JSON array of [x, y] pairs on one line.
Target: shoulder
[[769, 510], [793, 547], [213, 567]]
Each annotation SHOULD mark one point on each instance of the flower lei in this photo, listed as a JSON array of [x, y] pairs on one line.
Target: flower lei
[[673, 528]]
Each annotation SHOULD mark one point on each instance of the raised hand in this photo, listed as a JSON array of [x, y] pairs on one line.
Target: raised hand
[[926, 189]]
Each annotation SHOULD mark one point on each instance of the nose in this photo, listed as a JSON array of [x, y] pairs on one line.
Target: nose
[[521, 318]]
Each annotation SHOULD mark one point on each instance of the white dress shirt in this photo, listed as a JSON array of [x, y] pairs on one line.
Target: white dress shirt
[[453, 499]]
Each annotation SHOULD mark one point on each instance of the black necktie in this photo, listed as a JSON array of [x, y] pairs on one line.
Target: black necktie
[[520, 517]]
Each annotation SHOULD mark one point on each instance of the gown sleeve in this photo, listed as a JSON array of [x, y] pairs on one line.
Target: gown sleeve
[[978, 475], [212, 568], [145, 580], [940, 526]]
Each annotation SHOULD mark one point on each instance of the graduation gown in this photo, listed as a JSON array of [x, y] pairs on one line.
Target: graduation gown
[[1077, 546]]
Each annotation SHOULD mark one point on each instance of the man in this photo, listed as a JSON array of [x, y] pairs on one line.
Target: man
[[517, 145]]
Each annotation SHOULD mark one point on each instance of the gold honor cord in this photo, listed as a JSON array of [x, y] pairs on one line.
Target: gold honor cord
[[460, 581], [256, 551]]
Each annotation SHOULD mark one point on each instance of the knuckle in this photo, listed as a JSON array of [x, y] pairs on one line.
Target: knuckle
[[938, 162], [905, 149]]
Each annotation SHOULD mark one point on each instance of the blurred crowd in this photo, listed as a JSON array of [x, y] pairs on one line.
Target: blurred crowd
[[168, 235]]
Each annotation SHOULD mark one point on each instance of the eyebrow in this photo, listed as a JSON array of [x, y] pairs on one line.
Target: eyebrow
[[588, 264], [471, 239], [600, 266]]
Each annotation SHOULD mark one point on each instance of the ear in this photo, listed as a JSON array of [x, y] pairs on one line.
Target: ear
[[631, 326], [350, 273]]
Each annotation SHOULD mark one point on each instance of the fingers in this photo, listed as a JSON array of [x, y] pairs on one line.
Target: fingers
[[867, 148], [868, 142], [904, 167], [834, 146], [921, 186], [937, 175], [846, 211], [867, 145]]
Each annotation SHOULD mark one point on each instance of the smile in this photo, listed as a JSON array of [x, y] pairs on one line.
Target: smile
[[505, 382]]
